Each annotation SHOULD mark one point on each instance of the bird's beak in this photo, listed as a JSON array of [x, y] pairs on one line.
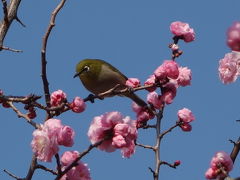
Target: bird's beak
[[77, 74]]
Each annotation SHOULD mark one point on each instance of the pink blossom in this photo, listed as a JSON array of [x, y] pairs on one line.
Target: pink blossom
[[79, 172], [46, 140], [223, 159], [185, 76], [143, 115], [43, 146], [169, 69], [220, 161], [229, 67], [66, 136], [233, 36], [183, 31], [154, 99], [133, 82], [150, 81], [52, 127], [185, 115], [120, 132], [68, 157], [169, 92], [211, 174], [57, 97], [78, 105]]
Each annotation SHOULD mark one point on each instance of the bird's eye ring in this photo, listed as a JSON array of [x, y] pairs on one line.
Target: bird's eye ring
[[86, 68]]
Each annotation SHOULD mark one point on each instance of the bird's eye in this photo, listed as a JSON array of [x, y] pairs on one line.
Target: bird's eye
[[86, 68]]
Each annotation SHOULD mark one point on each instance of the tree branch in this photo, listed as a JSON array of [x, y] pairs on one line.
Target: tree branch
[[10, 14], [43, 54]]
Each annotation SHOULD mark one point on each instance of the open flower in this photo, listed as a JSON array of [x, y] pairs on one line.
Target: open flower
[[183, 31], [118, 132]]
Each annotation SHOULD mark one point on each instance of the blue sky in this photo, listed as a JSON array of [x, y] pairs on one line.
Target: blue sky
[[133, 36]]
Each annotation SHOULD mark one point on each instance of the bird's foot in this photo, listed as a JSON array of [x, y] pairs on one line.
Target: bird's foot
[[91, 98]]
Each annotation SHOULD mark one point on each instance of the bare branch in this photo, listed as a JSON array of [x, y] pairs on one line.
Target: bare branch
[[35, 125], [39, 166], [43, 54], [146, 146], [12, 175], [10, 14], [235, 150]]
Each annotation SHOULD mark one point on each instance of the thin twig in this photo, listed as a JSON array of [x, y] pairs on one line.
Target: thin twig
[[145, 146], [168, 164], [43, 54], [5, 24], [35, 125], [11, 49], [58, 164], [39, 166], [168, 131], [12, 175]]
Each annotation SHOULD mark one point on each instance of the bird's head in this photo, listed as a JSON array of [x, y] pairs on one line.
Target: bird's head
[[88, 67]]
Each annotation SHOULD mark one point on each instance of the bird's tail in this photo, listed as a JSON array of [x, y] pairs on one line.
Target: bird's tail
[[137, 99]]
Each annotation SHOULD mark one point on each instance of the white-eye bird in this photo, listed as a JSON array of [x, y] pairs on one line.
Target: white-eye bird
[[98, 76]]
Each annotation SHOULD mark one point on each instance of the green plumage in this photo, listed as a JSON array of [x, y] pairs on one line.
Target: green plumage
[[98, 76]]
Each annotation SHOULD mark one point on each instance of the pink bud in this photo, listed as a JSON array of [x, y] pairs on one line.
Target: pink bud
[[6, 105], [32, 114], [78, 105], [185, 115], [66, 136], [57, 97], [183, 31], [233, 36], [186, 127], [177, 163], [185, 76], [133, 82]]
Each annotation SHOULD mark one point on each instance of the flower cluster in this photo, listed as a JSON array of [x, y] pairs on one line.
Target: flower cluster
[[229, 67], [170, 76], [182, 31], [58, 97], [116, 131], [220, 165], [185, 116], [79, 172], [47, 139], [233, 36]]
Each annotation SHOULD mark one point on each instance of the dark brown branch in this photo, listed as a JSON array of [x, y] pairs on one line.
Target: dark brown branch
[[35, 125], [58, 164], [169, 130], [12, 175], [235, 150], [43, 54], [168, 164], [32, 168], [10, 14], [39, 166]]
